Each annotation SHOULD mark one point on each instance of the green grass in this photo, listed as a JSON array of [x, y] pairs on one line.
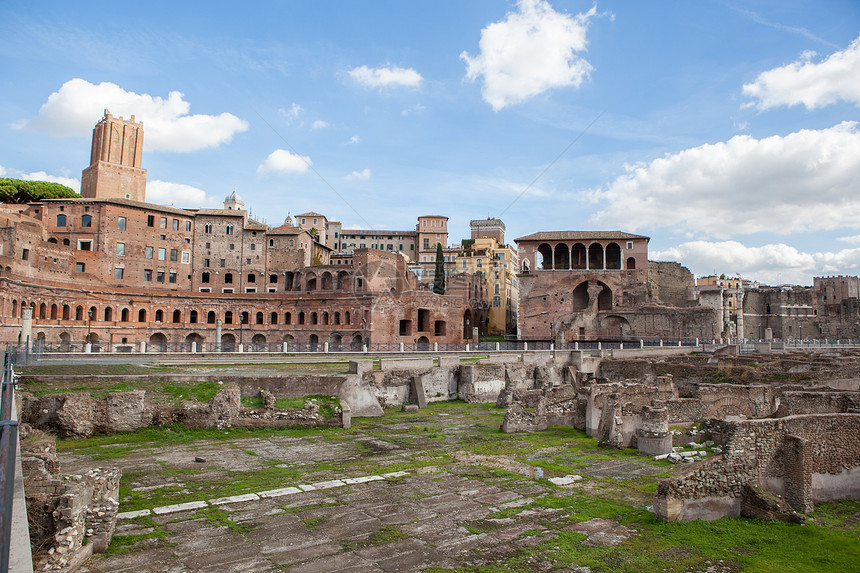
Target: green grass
[[218, 517], [123, 544]]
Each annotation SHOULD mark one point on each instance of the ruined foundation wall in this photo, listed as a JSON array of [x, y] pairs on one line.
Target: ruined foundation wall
[[805, 459]]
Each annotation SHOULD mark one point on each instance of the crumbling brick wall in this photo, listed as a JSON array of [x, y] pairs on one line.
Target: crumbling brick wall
[[64, 511], [805, 458]]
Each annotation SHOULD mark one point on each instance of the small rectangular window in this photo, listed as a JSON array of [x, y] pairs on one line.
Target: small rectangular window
[[159, 276], [120, 223], [147, 252], [171, 278], [80, 267], [163, 223], [222, 262], [205, 289], [120, 249], [118, 272], [186, 257], [174, 255], [25, 254], [150, 220], [187, 225], [176, 224], [162, 253], [226, 290], [147, 274], [205, 262], [253, 247]]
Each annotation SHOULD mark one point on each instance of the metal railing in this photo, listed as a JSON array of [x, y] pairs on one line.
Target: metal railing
[[22, 354], [8, 448]]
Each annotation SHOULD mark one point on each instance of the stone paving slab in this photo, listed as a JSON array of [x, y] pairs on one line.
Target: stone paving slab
[[191, 505], [304, 553]]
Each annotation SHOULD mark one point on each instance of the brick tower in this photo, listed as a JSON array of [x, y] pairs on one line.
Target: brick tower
[[114, 171]]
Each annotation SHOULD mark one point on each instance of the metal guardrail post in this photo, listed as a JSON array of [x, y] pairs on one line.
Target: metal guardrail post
[[8, 447]]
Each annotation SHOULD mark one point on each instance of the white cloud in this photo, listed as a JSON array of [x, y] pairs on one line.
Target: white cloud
[[417, 108], [362, 175], [804, 181], [179, 194], [283, 161], [70, 182], [530, 52], [77, 106], [769, 264], [291, 114], [852, 239], [320, 124], [812, 84], [389, 76], [354, 139], [2, 171]]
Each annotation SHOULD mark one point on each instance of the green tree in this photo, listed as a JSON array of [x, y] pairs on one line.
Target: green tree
[[21, 192], [439, 279]]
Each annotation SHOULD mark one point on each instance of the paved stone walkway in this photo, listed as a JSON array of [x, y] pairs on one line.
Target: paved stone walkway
[[398, 522]]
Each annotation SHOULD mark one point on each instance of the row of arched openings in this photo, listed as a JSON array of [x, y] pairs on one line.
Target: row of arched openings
[[67, 312], [578, 257]]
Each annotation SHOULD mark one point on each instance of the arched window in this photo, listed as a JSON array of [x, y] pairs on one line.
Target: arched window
[[228, 278], [108, 314], [545, 256], [631, 263], [325, 318], [210, 317], [141, 315], [228, 317], [252, 277], [66, 311], [43, 310], [314, 318], [259, 318], [562, 257], [61, 220], [192, 317], [595, 256], [53, 312], [288, 318], [301, 318], [613, 256], [337, 317], [87, 221], [273, 318], [79, 312], [177, 315], [245, 317], [159, 315], [14, 309], [346, 317], [123, 316]]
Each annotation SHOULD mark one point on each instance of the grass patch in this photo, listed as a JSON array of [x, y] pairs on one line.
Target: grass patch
[[217, 517], [123, 544], [201, 392]]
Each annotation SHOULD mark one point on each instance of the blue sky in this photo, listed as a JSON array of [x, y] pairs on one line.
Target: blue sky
[[724, 130]]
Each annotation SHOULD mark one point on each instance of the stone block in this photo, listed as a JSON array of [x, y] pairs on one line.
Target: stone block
[[654, 444]]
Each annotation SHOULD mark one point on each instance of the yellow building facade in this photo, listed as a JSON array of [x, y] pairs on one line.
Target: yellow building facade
[[487, 255]]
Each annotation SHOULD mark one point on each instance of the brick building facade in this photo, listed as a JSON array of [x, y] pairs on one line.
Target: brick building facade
[[111, 269]]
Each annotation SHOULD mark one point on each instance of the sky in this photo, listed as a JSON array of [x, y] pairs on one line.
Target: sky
[[725, 130]]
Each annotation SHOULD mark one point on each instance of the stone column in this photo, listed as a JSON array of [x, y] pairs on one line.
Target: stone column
[[218, 324], [27, 325]]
